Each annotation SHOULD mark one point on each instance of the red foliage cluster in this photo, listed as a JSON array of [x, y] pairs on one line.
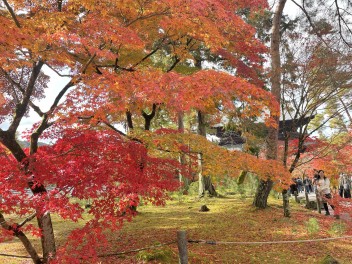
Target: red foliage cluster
[[110, 171]]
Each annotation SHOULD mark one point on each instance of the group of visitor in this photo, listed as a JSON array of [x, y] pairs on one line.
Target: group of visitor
[[320, 184], [300, 185]]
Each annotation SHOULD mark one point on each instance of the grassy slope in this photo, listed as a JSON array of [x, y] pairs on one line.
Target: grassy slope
[[229, 219]]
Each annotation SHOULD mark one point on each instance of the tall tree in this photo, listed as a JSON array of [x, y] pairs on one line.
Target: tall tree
[[265, 186]]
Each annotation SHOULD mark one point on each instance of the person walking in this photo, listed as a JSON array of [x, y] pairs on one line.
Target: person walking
[[306, 183], [345, 186], [323, 188]]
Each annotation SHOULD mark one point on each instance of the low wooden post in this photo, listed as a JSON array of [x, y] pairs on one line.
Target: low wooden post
[[182, 246]]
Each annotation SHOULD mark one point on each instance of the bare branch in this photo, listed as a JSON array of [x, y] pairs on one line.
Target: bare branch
[[310, 21], [340, 18]]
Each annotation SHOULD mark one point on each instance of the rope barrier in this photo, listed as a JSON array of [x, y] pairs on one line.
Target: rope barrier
[[103, 255], [14, 256], [210, 242]]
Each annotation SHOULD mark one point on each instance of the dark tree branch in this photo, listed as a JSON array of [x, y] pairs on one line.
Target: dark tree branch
[[28, 219], [16, 84], [176, 61], [340, 18], [61, 94], [148, 117], [58, 73], [25, 241], [88, 63], [164, 12], [129, 119], [21, 108], [13, 15], [59, 5], [115, 129]]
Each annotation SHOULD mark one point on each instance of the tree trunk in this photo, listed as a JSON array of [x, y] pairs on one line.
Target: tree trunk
[[318, 202], [201, 184], [209, 186], [148, 117], [181, 128], [129, 120], [286, 203], [295, 194], [44, 220], [307, 197], [272, 139], [263, 191], [47, 238], [205, 183]]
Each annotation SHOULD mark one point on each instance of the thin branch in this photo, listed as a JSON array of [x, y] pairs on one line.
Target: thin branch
[[340, 18], [115, 129], [16, 84], [310, 21], [58, 73], [164, 12], [346, 110], [176, 61], [88, 63], [28, 219], [13, 15], [146, 57], [25, 241], [60, 95]]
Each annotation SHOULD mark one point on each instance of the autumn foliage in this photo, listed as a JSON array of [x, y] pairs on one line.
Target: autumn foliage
[[110, 51]]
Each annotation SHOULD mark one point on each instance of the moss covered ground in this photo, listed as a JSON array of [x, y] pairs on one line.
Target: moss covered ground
[[231, 218]]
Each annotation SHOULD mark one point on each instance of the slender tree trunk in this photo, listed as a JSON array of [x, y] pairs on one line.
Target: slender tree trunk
[[318, 202], [205, 183], [285, 197], [264, 187], [129, 120], [286, 203], [148, 117], [201, 184], [181, 128]]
